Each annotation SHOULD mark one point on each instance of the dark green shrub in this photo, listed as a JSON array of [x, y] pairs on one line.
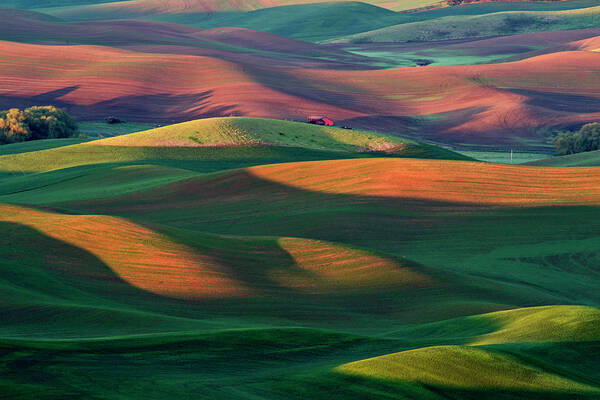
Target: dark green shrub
[[585, 139]]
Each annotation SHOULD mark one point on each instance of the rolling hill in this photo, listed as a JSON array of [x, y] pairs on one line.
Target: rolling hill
[[305, 20], [473, 51], [507, 104], [309, 22], [28, 26], [31, 4], [129, 86], [152, 259], [227, 44], [496, 24], [259, 131], [546, 324], [138, 161], [18, 28], [463, 368], [129, 9], [586, 159], [145, 8], [227, 249], [140, 266]]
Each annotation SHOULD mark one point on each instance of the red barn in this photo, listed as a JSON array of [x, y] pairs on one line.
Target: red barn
[[320, 121]]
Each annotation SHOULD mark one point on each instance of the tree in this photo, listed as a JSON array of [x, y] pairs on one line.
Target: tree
[[585, 139], [49, 122], [589, 137], [563, 143], [38, 122], [453, 3], [13, 127]]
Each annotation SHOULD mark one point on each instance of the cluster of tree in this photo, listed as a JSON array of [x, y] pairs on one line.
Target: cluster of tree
[[38, 122], [585, 139], [453, 3]]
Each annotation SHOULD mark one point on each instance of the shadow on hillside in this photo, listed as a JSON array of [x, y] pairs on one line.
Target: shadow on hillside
[[143, 108], [48, 98], [15, 179], [54, 289], [49, 284], [437, 127], [505, 130], [564, 102], [240, 203], [39, 269]]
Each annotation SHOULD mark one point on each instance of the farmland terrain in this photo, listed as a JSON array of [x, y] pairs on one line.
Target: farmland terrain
[[211, 244], [252, 257]]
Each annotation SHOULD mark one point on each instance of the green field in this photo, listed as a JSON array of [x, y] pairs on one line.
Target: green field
[[467, 26], [434, 57], [504, 157], [500, 6], [219, 259], [354, 22], [310, 22]]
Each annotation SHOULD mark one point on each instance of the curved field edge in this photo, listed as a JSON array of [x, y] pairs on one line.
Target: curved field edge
[[208, 266], [88, 182], [160, 187], [464, 367], [417, 179], [37, 145], [586, 159], [74, 173], [458, 182], [149, 8], [218, 340], [201, 159], [559, 323]]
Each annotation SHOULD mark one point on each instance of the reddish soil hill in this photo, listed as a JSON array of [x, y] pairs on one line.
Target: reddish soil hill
[[25, 26], [483, 104], [233, 44], [492, 103], [589, 44], [93, 82], [551, 42], [250, 38]]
